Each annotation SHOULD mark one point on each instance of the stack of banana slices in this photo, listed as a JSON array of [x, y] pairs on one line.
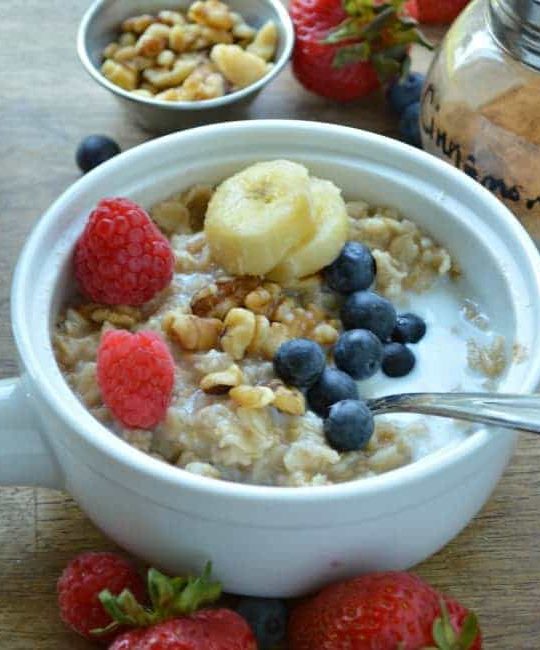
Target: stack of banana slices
[[272, 219]]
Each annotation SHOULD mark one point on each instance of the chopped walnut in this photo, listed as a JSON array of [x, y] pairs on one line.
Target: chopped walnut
[[164, 78], [153, 40], [138, 24], [192, 332], [183, 37], [267, 338], [252, 397], [212, 13], [264, 299], [119, 74], [265, 42], [241, 30], [119, 316], [203, 83], [171, 18], [218, 383], [239, 67], [123, 54], [218, 298], [287, 399], [239, 332], [324, 334], [171, 216]]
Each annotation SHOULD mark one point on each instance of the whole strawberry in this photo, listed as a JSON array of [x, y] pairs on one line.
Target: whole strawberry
[[345, 49], [174, 622], [121, 258], [209, 629], [135, 374], [81, 583], [436, 12], [381, 611]]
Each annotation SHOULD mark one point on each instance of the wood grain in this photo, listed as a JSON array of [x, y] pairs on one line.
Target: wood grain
[[47, 104]]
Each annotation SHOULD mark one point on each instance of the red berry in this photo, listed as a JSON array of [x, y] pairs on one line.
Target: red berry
[[135, 373], [437, 12], [378, 611], [121, 258], [313, 60], [209, 629], [81, 583]]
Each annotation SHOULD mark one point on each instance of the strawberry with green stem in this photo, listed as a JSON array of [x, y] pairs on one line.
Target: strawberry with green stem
[[175, 620], [382, 611], [345, 49]]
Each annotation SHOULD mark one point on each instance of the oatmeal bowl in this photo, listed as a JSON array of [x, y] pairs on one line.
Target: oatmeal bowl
[[194, 354], [175, 65]]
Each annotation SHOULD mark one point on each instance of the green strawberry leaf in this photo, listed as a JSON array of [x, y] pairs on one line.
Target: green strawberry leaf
[[352, 54], [386, 66], [160, 589], [358, 7], [446, 637], [348, 29], [198, 592], [170, 597], [379, 33]]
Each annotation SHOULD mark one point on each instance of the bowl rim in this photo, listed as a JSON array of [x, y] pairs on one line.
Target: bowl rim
[[86, 429], [82, 51]]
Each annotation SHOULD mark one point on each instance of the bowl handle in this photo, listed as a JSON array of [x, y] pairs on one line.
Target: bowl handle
[[25, 457]]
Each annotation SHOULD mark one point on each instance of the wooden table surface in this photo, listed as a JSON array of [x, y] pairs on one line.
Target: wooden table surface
[[47, 104]]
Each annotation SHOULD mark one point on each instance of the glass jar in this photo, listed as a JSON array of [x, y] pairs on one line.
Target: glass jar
[[481, 102]]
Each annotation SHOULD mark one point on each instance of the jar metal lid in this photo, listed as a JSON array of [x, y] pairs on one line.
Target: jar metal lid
[[516, 25]]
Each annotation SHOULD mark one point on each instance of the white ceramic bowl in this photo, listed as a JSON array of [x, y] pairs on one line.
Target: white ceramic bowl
[[265, 540]]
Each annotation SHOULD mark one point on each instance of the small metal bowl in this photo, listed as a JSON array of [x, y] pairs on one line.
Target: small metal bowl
[[100, 26]]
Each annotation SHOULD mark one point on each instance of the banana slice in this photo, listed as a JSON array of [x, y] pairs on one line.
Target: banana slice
[[331, 221], [258, 215]]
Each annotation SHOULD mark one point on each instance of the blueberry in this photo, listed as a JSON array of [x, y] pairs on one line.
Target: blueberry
[[367, 310], [398, 360], [403, 93], [358, 353], [353, 270], [409, 328], [267, 618], [299, 362], [332, 386], [94, 150], [409, 125], [349, 425]]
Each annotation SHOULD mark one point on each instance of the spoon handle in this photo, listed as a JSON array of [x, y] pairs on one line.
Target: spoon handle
[[512, 411]]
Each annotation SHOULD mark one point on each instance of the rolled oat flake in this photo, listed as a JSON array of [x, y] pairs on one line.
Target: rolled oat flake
[[481, 102]]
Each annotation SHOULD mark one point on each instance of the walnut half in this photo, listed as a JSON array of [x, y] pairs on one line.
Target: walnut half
[[192, 332]]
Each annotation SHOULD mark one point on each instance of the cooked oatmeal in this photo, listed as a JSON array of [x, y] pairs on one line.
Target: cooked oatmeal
[[230, 417]]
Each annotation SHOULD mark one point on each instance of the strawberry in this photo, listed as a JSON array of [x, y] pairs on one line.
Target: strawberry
[[435, 12], [82, 581], [345, 49], [382, 611], [209, 629], [173, 622]]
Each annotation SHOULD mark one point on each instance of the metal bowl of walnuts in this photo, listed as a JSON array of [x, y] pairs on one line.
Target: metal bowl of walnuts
[[178, 65]]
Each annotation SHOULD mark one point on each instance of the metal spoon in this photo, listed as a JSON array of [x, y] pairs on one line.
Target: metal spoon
[[511, 411]]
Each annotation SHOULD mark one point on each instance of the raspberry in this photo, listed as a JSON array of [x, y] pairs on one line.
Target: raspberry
[[135, 373], [209, 629], [121, 257], [82, 581]]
